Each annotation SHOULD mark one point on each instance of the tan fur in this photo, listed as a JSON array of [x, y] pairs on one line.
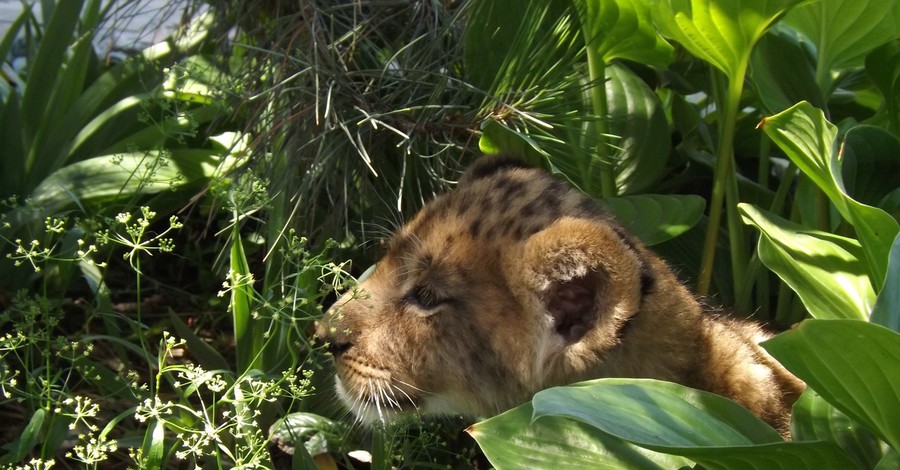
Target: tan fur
[[515, 282]]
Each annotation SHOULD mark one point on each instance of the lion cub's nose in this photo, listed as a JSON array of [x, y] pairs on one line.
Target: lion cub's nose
[[328, 337]]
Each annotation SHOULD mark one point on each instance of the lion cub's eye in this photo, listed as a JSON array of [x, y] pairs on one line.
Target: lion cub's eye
[[424, 298]]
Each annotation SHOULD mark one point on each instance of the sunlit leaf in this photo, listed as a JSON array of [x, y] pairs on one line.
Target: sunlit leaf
[[666, 417], [247, 342], [854, 365], [132, 173], [810, 141], [512, 440], [825, 270], [621, 29], [720, 32], [153, 446], [845, 31]]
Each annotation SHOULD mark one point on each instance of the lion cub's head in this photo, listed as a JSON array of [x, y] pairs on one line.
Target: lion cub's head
[[509, 284]]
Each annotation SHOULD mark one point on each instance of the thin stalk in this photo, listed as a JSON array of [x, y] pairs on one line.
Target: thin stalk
[[725, 181], [602, 161]]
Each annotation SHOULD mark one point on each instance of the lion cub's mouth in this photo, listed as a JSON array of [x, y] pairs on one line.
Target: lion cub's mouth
[[372, 393]]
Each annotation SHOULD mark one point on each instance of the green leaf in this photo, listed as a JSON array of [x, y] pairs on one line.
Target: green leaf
[[319, 435], [498, 138], [853, 365], [127, 174], [887, 307], [654, 413], [636, 114], [154, 444], [29, 438], [870, 164], [43, 74], [512, 440], [810, 141], [621, 29], [823, 269], [12, 31], [666, 417], [845, 31], [248, 343], [784, 72], [891, 461], [883, 67], [655, 218], [814, 419], [721, 32]]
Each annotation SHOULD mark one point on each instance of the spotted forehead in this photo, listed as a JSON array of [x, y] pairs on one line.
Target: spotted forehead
[[506, 206]]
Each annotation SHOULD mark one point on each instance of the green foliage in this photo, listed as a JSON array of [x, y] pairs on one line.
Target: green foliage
[[845, 32], [828, 231], [355, 114], [134, 129], [811, 143], [853, 365]]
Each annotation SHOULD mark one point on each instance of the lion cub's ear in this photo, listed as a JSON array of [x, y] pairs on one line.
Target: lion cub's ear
[[584, 274]]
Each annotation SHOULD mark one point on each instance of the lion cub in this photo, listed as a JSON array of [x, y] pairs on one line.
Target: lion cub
[[515, 282]]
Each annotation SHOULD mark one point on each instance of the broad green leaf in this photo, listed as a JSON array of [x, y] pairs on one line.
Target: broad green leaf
[[655, 218], [127, 174], [721, 32], [887, 307], [810, 141], [513, 440], [784, 72], [621, 29], [853, 365], [655, 413], [666, 417], [825, 270], [870, 164], [636, 114], [883, 67], [845, 31], [814, 419]]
